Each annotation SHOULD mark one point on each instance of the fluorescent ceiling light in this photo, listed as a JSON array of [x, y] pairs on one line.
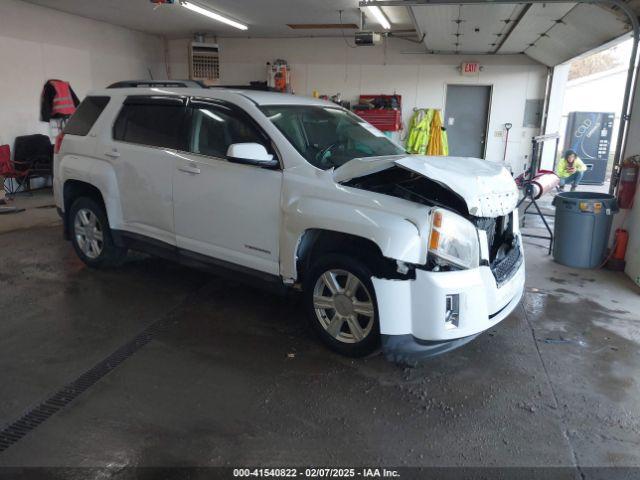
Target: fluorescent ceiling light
[[213, 15], [380, 17]]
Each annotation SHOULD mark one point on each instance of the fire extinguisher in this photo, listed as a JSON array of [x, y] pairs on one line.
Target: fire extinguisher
[[628, 182], [615, 259], [621, 241]]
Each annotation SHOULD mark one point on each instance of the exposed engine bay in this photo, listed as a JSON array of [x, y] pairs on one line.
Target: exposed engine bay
[[402, 183], [504, 255]]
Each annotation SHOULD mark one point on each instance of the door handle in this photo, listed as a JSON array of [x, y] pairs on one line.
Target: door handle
[[112, 153], [192, 169]]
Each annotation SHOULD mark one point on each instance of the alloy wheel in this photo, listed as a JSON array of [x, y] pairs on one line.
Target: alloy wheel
[[88, 232], [343, 306]]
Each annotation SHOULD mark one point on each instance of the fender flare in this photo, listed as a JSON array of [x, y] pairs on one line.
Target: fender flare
[[99, 175], [397, 238]]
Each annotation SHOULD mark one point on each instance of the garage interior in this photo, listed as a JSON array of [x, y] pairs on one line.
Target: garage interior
[[181, 368]]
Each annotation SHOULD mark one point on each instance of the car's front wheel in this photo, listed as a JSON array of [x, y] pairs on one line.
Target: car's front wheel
[[91, 236], [341, 304]]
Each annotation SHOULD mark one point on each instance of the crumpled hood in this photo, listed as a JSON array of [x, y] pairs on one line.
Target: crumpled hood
[[487, 187]]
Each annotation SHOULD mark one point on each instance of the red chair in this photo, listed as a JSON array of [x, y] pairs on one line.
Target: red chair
[[8, 170]]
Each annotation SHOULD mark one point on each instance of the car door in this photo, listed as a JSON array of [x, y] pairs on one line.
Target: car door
[[147, 133], [223, 209]]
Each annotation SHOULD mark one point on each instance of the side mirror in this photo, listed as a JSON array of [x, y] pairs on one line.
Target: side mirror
[[251, 154]]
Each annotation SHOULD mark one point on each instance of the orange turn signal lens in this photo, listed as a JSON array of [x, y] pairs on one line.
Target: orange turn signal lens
[[437, 219], [434, 240]]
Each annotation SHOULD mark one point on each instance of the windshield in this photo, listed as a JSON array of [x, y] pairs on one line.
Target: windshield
[[329, 137]]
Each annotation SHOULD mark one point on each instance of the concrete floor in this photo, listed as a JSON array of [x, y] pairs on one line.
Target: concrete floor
[[236, 379]]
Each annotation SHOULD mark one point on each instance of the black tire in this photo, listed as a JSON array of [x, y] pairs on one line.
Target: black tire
[[349, 347], [110, 255]]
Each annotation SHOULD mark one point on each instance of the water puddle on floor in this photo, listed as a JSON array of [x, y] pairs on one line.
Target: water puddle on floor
[[601, 344]]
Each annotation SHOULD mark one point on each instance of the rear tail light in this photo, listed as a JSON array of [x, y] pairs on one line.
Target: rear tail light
[[58, 145]]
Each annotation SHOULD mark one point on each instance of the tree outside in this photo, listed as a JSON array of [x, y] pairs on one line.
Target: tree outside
[[601, 62]]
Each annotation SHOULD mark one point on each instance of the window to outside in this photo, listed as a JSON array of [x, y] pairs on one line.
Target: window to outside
[[329, 137], [215, 128], [153, 125], [86, 115]]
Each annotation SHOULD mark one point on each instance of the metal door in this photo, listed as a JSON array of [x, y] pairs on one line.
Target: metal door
[[466, 119]]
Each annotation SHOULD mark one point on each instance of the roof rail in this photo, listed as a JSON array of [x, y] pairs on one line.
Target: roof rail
[[259, 86], [157, 83]]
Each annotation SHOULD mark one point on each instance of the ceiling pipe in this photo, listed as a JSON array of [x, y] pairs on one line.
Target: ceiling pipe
[[421, 35], [625, 116]]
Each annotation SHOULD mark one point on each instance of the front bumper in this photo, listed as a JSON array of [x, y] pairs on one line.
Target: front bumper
[[413, 313]]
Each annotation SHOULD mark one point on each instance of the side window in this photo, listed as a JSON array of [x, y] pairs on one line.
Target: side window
[[153, 124], [86, 115], [214, 128]]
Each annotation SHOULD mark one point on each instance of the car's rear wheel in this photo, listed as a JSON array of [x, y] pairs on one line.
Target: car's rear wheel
[[341, 304], [91, 235]]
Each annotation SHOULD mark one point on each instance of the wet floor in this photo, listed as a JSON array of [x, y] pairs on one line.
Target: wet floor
[[235, 378]]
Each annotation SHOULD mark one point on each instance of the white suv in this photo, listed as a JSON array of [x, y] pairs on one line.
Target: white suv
[[417, 254]]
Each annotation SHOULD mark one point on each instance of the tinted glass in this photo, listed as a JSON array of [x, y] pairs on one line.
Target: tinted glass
[[86, 115], [329, 137], [215, 128], [153, 125]]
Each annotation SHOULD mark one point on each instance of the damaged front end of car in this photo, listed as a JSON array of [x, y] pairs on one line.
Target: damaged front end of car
[[474, 273], [479, 191]]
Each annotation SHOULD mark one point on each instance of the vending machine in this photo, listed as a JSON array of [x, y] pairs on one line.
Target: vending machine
[[589, 135]]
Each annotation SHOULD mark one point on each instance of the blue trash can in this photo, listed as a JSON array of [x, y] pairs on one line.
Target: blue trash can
[[582, 225]]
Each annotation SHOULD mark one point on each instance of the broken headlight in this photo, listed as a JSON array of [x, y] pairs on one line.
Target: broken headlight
[[453, 240]]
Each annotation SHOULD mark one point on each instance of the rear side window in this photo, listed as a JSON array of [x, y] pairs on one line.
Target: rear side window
[[156, 124], [86, 115]]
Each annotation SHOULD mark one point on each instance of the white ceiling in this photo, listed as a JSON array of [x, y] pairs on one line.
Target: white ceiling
[[464, 28], [549, 33], [538, 19], [583, 28], [264, 17]]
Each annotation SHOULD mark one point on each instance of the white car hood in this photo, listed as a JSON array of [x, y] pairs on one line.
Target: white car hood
[[486, 187]]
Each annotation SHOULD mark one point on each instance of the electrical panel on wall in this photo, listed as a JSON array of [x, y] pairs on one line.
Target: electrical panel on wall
[[533, 113], [204, 62]]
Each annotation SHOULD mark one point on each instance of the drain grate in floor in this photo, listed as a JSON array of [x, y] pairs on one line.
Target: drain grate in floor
[[32, 418]]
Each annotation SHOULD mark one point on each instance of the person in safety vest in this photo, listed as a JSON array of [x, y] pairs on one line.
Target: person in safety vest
[[570, 169]]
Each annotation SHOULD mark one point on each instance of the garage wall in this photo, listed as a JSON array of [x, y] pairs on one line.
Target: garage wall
[[330, 66], [631, 218], [38, 43]]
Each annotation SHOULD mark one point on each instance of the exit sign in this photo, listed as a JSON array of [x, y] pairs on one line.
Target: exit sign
[[470, 68]]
